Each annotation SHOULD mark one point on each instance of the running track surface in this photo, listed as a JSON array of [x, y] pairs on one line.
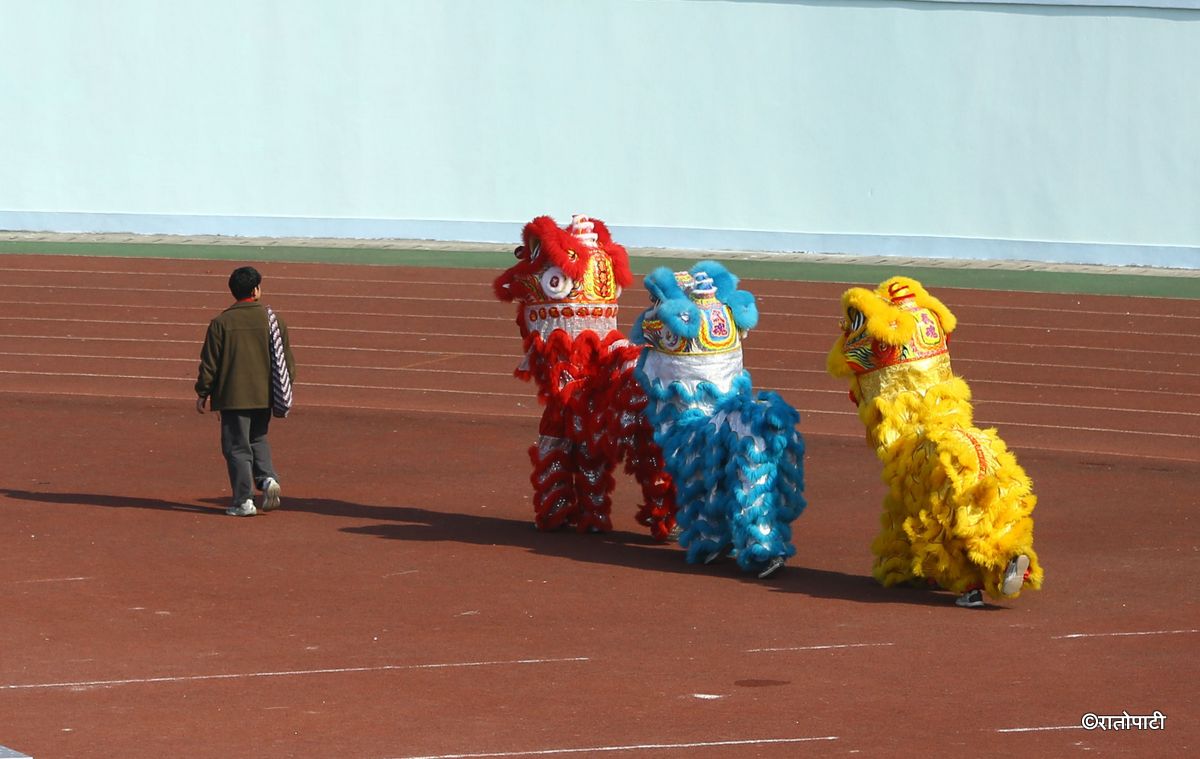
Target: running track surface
[[400, 605]]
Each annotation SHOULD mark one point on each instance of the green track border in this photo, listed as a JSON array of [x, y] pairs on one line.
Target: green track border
[[1027, 280]]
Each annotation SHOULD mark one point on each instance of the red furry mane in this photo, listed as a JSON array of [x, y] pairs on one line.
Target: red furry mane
[[556, 246]]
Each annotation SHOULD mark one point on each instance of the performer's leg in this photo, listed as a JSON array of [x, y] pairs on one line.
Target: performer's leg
[[657, 509], [700, 479], [989, 540], [766, 492], [554, 502], [633, 437], [593, 486], [707, 534], [893, 552]]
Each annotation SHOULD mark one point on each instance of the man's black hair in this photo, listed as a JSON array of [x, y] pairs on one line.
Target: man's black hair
[[243, 281]]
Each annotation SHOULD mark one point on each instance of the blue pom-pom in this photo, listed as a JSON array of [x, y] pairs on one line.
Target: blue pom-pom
[[661, 284], [680, 316], [745, 312]]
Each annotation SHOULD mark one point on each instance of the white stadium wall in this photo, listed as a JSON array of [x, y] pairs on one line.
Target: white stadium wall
[[1053, 132]]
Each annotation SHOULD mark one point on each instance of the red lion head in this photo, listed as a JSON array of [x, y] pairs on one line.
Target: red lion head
[[577, 264]]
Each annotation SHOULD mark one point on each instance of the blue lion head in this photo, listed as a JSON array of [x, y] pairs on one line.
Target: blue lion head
[[685, 308]]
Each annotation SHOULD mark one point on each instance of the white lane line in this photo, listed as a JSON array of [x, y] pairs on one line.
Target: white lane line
[[1005, 424], [1038, 729], [437, 357], [1074, 636], [394, 388], [985, 306], [274, 277], [515, 356], [510, 356], [1071, 406], [964, 327], [97, 339], [633, 291], [109, 357], [766, 387], [1082, 367], [630, 747], [488, 393], [424, 351], [94, 375], [1068, 346], [284, 673], [299, 385], [507, 319], [1058, 386], [505, 309], [52, 579], [495, 303], [296, 328], [816, 648], [423, 367], [965, 360], [513, 335], [419, 367], [1088, 452], [275, 294], [206, 313], [535, 413], [515, 338]]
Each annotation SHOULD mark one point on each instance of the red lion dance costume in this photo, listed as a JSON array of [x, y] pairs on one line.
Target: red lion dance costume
[[566, 283]]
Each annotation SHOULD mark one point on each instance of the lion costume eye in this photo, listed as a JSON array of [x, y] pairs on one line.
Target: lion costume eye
[[853, 323], [556, 283]]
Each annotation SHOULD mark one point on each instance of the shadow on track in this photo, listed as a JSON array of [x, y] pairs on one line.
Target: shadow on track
[[112, 501], [617, 548]]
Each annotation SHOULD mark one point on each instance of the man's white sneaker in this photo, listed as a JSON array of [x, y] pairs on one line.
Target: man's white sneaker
[[244, 509], [270, 494]]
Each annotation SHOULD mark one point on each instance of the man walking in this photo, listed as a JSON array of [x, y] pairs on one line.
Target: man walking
[[243, 377]]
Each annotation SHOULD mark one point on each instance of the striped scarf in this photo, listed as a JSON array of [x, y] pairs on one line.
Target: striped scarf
[[281, 378]]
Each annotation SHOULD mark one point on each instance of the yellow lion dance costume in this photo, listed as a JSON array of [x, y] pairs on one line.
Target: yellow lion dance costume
[[958, 512]]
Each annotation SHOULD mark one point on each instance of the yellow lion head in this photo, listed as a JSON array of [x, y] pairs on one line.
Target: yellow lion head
[[897, 329]]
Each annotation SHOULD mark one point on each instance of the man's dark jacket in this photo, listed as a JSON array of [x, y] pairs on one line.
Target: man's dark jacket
[[235, 362]]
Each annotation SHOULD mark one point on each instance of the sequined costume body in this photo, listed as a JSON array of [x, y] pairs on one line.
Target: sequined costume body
[[958, 507], [735, 456], [566, 283]]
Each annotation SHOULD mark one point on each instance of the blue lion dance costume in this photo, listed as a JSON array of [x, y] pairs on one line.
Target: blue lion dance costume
[[736, 457]]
